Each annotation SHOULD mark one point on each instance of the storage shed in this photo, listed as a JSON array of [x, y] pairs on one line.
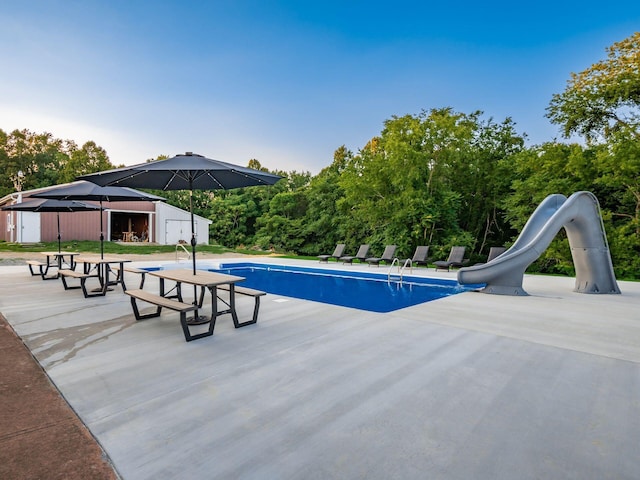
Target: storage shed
[[122, 221]]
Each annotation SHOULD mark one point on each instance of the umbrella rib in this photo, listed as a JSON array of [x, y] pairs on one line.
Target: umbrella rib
[[259, 180], [114, 183], [246, 175], [215, 180], [175, 174]]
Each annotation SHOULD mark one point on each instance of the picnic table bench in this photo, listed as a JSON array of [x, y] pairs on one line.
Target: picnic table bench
[[63, 274], [162, 302], [54, 260], [179, 306], [43, 268], [250, 292]]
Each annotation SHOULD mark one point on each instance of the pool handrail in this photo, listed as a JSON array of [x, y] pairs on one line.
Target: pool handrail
[[400, 271], [178, 258]]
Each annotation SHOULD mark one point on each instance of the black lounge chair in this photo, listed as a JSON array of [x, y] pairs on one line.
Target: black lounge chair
[[387, 256], [337, 253], [455, 260], [363, 251], [494, 252], [419, 256]]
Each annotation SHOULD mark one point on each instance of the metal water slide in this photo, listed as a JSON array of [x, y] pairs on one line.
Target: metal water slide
[[580, 217]]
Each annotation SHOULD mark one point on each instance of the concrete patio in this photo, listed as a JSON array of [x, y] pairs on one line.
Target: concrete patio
[[471, 386]]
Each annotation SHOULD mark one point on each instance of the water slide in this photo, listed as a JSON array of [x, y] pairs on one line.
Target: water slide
[[580, 216]]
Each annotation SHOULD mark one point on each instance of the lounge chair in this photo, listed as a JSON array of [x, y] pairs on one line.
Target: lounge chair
[[387, 256], [455, 260], [337, 253], [494, 252], [419, 256], [363, 251]]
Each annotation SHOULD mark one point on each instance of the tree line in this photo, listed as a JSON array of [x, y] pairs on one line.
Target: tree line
[[437, 178]]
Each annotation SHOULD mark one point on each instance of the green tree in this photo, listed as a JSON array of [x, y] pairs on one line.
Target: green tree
[[323, 225], [541, 171], [604, 98], [619, 181], [230, 214], [282, 212], [30, 160], [609, 171], [482, 178], [602, 103], [431, 179], [89, 159]]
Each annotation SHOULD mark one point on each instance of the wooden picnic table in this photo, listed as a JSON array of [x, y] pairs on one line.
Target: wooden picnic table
[[57, 259], [54, 260], [100, 266], [201, 279], [205, 280]]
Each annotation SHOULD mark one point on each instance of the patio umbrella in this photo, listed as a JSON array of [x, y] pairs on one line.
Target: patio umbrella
[[50, 205], [82, 190], [184, 172]]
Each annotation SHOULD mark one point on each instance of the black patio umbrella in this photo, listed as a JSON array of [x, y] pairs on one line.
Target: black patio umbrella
[[50, 205], [82, 190], [184, 172]]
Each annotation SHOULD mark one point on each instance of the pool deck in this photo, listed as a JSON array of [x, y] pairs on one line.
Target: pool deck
[[470, 386]]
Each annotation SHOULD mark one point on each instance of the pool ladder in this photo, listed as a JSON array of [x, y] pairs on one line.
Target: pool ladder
[[396, 261], [180, 246]]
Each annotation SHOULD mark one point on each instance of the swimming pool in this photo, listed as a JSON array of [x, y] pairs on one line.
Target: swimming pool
[[361, 290]]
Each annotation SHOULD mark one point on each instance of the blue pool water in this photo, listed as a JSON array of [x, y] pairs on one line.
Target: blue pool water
[[359, 290]]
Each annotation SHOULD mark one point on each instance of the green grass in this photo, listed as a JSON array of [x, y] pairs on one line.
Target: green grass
[[115, 248]]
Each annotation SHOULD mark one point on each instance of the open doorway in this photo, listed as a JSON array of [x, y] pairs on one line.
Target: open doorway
[[129, 227]]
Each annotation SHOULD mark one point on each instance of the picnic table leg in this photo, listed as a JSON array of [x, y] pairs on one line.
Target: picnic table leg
[[214, 303], [139, 316], [50, 263], [198, 300], [232, 304], [41, 272], [214, 308], [105, 282], [201, 299], [119, 276], [102, 278], [198, 319], [100, 273], [71, 264], [165, 294]]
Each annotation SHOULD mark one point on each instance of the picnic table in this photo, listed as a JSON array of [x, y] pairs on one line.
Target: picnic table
[[172, 298], [95, 266], [59, 260]]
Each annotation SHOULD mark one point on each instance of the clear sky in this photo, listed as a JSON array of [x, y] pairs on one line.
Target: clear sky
[[286, 82]]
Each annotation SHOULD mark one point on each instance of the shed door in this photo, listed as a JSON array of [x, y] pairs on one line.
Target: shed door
[[30, 227], [176, 230]]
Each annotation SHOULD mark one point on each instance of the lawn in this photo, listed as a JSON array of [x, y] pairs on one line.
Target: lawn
[[115, 248]]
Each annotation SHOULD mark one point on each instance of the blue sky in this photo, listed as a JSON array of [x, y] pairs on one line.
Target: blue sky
[[286, 82]]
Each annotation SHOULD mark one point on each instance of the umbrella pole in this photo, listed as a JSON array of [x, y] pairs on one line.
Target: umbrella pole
[[193, 231], [101, 234], [58, 215], [197, 319]]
